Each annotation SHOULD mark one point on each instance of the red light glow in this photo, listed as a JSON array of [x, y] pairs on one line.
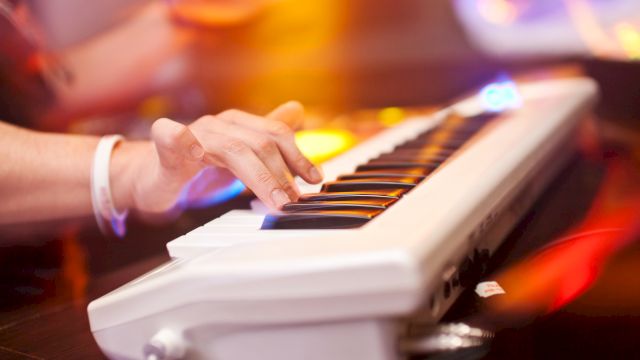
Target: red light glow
[[553, 277]]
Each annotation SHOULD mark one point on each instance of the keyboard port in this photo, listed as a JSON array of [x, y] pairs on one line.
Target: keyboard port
[[476, 256], [467, 270], [481, 259], [455, 281], [447, 289]]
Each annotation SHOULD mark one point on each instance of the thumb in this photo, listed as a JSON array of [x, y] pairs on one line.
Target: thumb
[[290, 113], [175, 143]]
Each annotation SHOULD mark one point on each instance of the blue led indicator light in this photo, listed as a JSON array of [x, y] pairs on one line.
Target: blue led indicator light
[[501, 96]]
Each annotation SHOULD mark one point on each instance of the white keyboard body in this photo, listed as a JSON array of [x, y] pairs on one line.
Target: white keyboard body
[[234, 291]]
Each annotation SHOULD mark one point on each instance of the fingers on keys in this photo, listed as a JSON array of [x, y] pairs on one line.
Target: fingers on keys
[[260, 151], [283, 136]]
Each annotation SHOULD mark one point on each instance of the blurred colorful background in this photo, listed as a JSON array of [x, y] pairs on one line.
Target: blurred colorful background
[[114, 66], [359, 66]]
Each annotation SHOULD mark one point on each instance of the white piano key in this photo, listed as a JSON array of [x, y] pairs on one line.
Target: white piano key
[[243, 235], [253, 222], [245, 213], [244, 223], [224, 229], [236, 217], [199, 242]]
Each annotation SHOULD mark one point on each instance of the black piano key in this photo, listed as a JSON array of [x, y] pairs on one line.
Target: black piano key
[[432, 150], [467, 127], [461, 130], [421, 143], [410, 158], [427, 150], [448, 135], [407, 155], [378, 201], [338, 205], [484, 117], [480, 119], [388, 173], [450, 132], [373, 174], [384, 165], [387, 194], [371, 183], [443, 146], [332, 219]]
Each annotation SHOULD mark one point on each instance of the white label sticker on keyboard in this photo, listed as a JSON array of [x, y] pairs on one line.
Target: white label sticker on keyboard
[[489, 288]]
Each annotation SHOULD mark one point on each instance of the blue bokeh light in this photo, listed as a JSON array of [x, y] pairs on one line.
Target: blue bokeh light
[[223, 195], [501, 96]]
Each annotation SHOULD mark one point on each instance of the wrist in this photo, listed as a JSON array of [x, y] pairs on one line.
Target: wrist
[[124, 172]]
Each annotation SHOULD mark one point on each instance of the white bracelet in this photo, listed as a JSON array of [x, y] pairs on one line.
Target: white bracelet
[[107, 216]]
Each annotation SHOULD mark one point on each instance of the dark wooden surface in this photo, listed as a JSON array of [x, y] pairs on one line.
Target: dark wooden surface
[[59, 328], [45, 288]]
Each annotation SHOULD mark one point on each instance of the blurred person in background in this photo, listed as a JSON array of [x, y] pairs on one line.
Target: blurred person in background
[[47, 177], [101, 68]]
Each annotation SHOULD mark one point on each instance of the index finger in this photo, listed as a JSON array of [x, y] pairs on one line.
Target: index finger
[[284, 138], [290, 113]]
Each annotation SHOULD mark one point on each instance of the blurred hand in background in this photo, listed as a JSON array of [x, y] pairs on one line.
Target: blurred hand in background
[[217, 13]]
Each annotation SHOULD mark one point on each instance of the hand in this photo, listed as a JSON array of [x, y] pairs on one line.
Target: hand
[[217, 13], [260, 151]]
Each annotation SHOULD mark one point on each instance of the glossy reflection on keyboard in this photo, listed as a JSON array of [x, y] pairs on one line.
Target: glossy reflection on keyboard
[[354, 199]]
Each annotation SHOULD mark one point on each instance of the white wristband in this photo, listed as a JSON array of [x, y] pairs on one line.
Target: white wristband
[[109, 219]]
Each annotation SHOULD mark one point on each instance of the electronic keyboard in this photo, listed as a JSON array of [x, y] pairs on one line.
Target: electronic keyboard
[[403, 223]]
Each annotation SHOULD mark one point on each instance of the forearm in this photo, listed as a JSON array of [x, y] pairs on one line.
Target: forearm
[[47, 177], [44, 177]]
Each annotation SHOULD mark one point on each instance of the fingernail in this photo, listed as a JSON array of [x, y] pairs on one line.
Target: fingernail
[[279, 198], [315, 174], [197, 151]]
